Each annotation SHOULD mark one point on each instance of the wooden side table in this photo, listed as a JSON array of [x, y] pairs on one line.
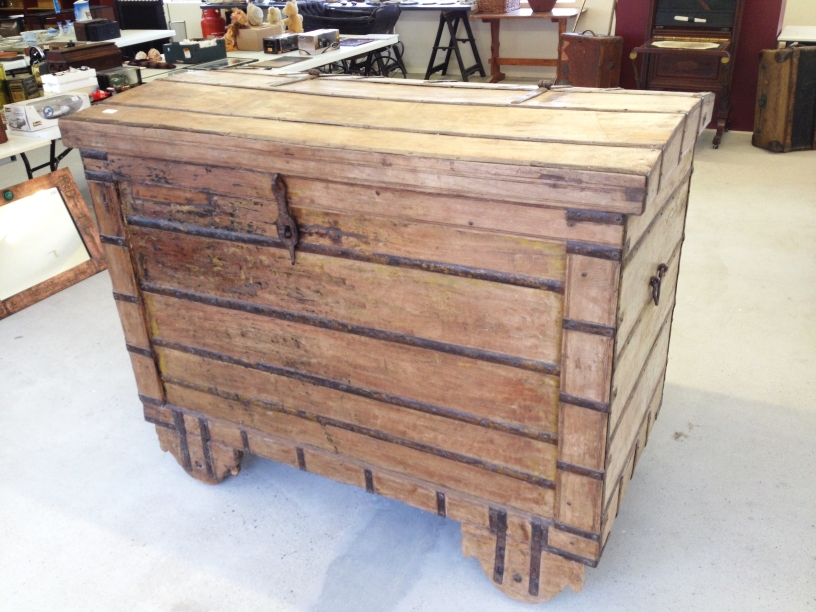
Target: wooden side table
[[556, 15]]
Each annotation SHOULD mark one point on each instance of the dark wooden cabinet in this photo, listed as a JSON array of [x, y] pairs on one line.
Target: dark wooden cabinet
[[690, 45]]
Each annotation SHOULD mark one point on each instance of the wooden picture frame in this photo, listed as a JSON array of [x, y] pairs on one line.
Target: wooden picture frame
[[63, 181]]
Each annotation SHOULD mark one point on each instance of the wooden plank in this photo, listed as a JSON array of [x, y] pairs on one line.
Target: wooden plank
[[623, 101], [649, 385], [571, 543], [147, 377], [204, 193], [489, 391], [297, 410], [587, 366], [579, 501], [455, 310], [106, 206], [471, 480], [356, 88], [677, 183], [582, 437], [636, 347], [419, 162], [120, 268], [375, 236], [133, 324], [514, 122], [592, 290], [672, 153]]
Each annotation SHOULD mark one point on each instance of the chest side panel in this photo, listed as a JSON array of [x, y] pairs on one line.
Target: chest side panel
[[646, 304]]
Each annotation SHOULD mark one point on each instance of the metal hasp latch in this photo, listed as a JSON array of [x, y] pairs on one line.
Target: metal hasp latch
[[287, 228], [655, 282]]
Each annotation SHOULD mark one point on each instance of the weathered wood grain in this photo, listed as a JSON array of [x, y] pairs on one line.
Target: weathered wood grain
[[592, 290], [376, 237], [625, 432], [297, 410], [527, 172], [498, 393], [552, 574], [579, 501], [207, 194], [655, 247], [455, 310]]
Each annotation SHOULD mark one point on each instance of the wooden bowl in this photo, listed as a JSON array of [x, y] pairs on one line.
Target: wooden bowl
[[542, 6]]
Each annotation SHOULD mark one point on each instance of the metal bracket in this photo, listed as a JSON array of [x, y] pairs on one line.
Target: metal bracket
[[287, 228], [655, 282]]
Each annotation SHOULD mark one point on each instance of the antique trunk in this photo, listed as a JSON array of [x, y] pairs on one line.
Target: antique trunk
[[587, 60], [455, 296], [785, 118], [97, 55]]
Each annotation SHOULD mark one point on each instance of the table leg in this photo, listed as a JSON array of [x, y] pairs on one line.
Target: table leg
[[496, 74], [562, 27], [27, 166]]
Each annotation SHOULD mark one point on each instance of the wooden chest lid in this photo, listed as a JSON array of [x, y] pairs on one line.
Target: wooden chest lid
[[596, 149]]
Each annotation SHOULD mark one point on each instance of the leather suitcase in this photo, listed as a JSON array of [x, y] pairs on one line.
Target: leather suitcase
[[785, 118], [587, 60], [100, 56]]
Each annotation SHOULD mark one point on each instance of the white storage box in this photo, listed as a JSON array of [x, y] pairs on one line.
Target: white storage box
[[42, 113]]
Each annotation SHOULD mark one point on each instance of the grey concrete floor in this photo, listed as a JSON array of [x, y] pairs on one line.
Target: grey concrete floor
[[721, 514]]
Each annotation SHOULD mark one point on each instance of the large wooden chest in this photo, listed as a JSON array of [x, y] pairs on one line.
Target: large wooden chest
[[474, 317]]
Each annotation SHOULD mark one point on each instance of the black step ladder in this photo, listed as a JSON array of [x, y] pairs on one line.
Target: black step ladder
[[451, 19]]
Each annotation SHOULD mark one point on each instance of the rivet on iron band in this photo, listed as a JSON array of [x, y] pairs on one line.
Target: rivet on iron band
[[441, 504], [178, 419], [499, 519], [536, 543], [204, 431]]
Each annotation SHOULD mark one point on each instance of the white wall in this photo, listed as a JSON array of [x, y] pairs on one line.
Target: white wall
[[800, 12]]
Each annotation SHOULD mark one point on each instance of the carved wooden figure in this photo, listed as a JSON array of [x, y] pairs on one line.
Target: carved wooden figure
[[466, 309]]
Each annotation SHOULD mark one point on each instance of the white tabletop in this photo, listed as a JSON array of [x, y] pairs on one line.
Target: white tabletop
[[129, 37], [23, 142], [798, 34], [379, 41]]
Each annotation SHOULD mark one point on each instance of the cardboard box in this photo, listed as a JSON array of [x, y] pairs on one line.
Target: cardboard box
[[251, 38], [34, 115]]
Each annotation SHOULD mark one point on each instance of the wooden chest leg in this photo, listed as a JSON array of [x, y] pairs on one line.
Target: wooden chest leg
[[520, 569], [188, 440]]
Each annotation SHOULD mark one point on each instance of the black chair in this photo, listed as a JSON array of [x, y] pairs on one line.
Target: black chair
[[379, 20]]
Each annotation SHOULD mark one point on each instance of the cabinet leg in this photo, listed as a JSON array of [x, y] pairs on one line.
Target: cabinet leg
[[189, 442], [721, 123], [520, 569]]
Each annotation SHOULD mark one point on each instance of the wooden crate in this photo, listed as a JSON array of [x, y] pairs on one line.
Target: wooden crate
[[471, 322]]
